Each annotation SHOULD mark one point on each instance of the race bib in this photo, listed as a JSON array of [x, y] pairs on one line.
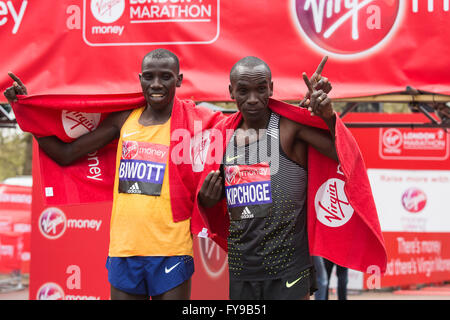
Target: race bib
[[142, 167], [248, 190]]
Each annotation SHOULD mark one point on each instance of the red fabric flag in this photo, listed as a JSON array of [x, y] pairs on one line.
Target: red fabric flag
[[342, 219]]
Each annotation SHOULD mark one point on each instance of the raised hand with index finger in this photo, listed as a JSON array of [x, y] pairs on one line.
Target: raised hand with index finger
[[18, 88], [318, 82], [320, 103]]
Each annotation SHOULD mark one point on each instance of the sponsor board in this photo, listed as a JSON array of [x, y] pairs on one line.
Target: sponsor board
[[416, 257], [414, 144], [150, 22], [347, 29], [53, 223], [411, 200]]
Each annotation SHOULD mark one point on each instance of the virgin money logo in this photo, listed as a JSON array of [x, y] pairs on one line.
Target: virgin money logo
[[76, 123], [52, 223], [232, 175], [392, 139], [50, 291], [213, 258], [414, 200], [331, 204], [347, 27], [107, 11], [129, 149]]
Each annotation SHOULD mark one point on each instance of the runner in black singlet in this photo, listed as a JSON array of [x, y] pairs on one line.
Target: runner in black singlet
[[264, 181]]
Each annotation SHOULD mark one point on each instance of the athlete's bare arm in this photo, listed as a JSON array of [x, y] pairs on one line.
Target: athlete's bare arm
[[66, 153]]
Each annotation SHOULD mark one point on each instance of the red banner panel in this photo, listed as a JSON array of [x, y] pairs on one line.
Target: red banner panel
[[96, 46], [15, 228], [416, 257]]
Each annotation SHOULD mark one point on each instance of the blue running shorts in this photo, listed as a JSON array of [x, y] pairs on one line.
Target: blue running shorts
[[148, 275]]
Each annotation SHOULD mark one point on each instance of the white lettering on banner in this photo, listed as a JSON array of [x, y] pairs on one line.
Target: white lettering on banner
[[107, 30], [430, 5], [84, 224], [15, 198], [318, 14], [415, 266], [80, 297], [8, 7], [74, 280], [22, 227], [6, 250], [94, 168], [172, 12]]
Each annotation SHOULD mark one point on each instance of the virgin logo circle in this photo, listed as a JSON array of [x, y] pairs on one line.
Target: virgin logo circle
[[392, 138], [76, 123], [129, 149], [331, 204], [107, 11], [232, 175], [414, 200], [346, 28], [52, 223], [50, 291]]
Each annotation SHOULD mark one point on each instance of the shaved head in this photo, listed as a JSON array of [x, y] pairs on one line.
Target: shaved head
[[162, 54], [250, 63]]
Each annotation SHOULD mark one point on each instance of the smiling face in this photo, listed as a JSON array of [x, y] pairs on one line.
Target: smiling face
[[159, 79], [251, 87]]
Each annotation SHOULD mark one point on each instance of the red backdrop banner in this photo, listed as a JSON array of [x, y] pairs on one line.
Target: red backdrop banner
[[96, 46], [15, 228]]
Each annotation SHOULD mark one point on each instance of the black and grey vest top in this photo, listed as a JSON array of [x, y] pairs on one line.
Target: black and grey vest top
[[266, 199]]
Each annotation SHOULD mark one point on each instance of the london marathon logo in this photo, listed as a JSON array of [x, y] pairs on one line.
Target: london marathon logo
[[346, 28], [150, 22]]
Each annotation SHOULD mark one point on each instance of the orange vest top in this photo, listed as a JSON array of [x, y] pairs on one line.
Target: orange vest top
[[142, 224]]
